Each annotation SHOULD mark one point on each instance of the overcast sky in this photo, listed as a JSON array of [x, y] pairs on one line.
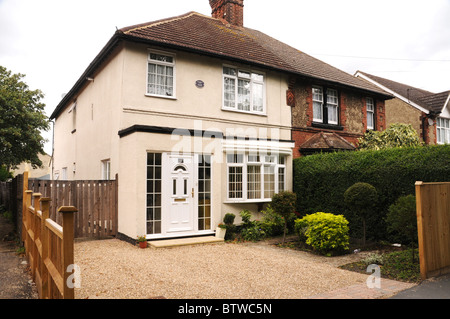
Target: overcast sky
[[52, 42]]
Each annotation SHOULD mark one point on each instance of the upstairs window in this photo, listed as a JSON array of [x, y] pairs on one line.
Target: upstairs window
[[161, 74], [325, 105], [443, 130], [243, 91], [370, 113]]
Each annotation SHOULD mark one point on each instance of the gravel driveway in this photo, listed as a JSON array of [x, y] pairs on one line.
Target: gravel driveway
[[116, 269]]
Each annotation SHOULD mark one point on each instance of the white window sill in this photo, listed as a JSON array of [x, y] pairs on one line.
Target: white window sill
[[161, 96], [245, 112]]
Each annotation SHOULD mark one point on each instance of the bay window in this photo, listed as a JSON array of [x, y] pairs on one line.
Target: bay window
[[255, 177]]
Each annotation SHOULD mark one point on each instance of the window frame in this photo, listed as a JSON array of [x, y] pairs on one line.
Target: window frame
[[161, 63], [261, 183], [334, 105], [154, 191], [315, 118], [64, 176], [442, 130], [371, 113], [252, 78], [324, 103], [106, 170]]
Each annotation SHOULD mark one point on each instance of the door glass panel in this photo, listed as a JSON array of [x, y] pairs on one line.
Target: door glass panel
[[153, 193], [204, 192]]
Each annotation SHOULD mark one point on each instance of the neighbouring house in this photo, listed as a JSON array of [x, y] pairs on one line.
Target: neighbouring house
[[330, 110], [194, 113], [43, 172], [427, 112]]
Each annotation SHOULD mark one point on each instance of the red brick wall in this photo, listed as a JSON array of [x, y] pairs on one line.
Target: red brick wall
[[380, 115], [352, 115], [230, 10]]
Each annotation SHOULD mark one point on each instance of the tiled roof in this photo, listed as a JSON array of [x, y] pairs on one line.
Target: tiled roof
[[428, 100], [326, 141], [194, 31], [435, 101], [205, 35]]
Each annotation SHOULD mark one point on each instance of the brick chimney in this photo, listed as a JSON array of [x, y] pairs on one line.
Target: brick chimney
[[231, 11]]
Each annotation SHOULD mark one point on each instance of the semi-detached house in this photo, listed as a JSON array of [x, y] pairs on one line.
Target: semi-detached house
[[427, 112], [195, 115]]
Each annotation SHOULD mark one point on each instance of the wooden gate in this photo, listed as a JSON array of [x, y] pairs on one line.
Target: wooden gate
[[433, 225], [96, 200]]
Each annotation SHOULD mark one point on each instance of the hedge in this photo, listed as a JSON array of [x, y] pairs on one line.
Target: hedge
[[321, 180]]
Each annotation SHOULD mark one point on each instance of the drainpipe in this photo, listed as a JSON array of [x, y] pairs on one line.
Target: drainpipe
[[53, 147]]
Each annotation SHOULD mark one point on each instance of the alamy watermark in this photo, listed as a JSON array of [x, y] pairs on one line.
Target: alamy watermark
[[374, 280], [74, 280]]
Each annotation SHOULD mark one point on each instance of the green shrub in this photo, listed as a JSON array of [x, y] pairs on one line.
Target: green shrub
[[324, 232], [321, 180], [228, 219], [253, 232], [245, 216], [374, 258], [402, 220], [396, 135], [4, 174], [283, 203], [250, 230], [272, 223], [361, 198]]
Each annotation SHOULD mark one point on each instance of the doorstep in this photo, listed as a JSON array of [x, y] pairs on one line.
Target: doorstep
[[185, 241]]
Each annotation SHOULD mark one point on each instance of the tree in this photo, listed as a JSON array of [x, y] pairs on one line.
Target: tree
[[362, 198], [284, 203], [401, 218], [397, 135], [22, 119]]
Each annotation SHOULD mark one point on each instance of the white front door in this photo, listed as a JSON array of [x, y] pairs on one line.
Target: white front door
[[181, 194]]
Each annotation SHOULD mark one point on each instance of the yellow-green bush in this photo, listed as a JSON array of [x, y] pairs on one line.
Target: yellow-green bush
[[327, 233]]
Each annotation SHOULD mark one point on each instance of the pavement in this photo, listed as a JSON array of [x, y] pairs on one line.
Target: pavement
[[15, 278], [433, 288], [16, 283]]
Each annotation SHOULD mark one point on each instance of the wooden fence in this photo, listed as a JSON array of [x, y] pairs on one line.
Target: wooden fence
[[96, 200], [49, 247], [433, 225], [5, 194]]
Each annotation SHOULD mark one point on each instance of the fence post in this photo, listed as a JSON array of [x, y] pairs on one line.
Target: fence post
[[34, 252], [45, 208], [26, 221], [24, 204], [67, 247], [420, 229]]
